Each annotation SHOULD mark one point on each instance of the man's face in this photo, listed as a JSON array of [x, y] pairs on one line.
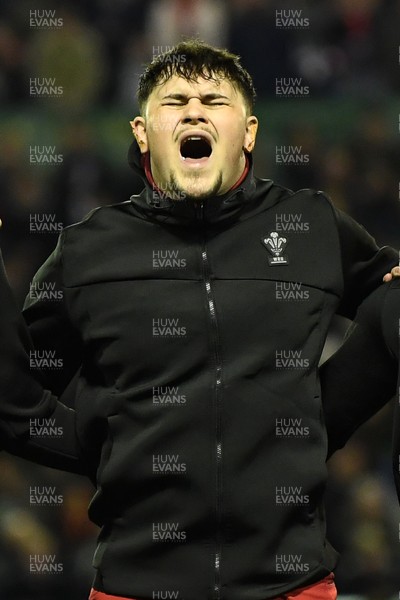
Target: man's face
[[196, 133]]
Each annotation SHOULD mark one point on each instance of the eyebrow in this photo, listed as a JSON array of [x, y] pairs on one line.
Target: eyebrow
[[208, 97]]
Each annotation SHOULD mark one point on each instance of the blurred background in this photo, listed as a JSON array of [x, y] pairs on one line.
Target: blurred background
[[68, 73]]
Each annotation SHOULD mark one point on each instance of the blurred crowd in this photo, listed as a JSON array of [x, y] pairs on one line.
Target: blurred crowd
[[342, 138], [339, 46]]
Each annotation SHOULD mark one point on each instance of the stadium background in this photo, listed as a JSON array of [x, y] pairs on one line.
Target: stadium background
[[342, 134]]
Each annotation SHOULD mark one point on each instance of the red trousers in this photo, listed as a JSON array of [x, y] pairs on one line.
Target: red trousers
[[323, 590]]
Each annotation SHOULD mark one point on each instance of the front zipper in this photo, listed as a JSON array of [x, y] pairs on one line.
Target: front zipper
[[218, 427]]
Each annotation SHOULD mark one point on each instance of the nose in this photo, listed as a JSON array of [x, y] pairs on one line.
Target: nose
[[194, 112]]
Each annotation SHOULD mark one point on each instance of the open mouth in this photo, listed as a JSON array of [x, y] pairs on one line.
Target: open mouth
[[195, 148]]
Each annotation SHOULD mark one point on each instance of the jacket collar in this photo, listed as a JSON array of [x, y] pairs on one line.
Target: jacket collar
[[213, 209]]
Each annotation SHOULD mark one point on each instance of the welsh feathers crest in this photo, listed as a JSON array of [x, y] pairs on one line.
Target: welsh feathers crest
[[275, 245]]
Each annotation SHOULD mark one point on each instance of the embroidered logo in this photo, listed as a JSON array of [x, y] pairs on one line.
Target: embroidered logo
[[275, 245]]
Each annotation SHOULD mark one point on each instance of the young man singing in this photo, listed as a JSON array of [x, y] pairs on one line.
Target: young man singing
[[198, 408]]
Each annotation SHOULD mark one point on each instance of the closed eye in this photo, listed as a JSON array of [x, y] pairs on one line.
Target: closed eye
[[206, 100], [205, 104]]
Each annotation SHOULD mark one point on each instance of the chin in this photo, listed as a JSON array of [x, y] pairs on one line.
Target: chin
[[200, 190]]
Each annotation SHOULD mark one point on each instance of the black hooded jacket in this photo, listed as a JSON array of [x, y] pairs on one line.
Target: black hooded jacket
[[198, 329]]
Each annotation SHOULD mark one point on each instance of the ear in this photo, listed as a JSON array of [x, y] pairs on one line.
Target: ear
[[139, 131], [251, 132]]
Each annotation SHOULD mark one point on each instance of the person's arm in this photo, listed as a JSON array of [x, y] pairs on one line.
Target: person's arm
[[58, 348], [25, 406], [361, 377], [351, 392], [363, 263]]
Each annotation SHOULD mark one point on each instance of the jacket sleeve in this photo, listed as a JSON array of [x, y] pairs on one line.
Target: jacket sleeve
[[363, 263], [25, 406], [57, 344], [361, 377]]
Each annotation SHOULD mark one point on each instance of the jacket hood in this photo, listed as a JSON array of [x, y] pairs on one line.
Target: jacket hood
[[135, 160]]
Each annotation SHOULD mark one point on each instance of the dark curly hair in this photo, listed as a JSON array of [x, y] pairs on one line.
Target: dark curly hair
[[192, 59]]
